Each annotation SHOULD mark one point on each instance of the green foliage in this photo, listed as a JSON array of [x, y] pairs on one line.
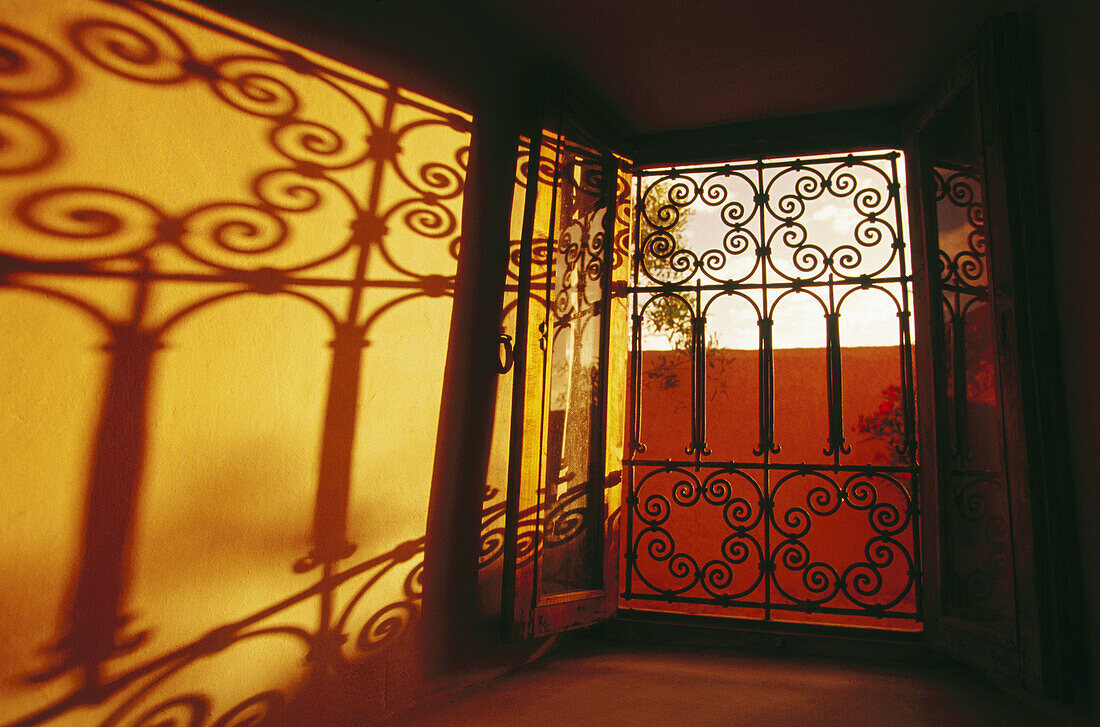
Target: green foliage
[[669, 317]]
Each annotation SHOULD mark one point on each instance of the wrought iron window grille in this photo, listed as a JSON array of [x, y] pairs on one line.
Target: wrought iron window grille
[[768, 515]]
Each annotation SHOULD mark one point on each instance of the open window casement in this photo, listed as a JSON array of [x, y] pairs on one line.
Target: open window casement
[[566, 442], [986, 459]]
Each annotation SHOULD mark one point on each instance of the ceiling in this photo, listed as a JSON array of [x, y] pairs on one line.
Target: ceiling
[[677, 64]]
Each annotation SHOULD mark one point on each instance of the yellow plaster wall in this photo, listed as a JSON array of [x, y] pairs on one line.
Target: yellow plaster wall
[[241, 203]]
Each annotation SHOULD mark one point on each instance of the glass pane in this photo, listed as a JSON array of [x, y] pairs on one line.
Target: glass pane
[[571, 557], [977, 554]]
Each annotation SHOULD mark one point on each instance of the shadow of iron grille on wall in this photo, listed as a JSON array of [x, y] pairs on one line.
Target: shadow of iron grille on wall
[[351, 209]]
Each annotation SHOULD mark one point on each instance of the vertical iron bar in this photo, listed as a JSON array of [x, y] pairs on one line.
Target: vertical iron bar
[[908, 393], [767, 397], [596, 488], [767, 401], [905, 319], [547, 355], [832, 355], [636, 386], [636, 320], [693, 354], [909, 387], [700, 361], [958, 353], [521, 361]]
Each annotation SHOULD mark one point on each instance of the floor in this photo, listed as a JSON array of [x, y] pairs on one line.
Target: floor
[[595, 684]]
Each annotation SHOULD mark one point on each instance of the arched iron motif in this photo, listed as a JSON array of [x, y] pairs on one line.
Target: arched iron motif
[[249, 242], [769, 550]]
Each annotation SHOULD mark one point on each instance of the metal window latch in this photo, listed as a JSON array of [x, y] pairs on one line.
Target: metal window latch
[[507, 356]]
